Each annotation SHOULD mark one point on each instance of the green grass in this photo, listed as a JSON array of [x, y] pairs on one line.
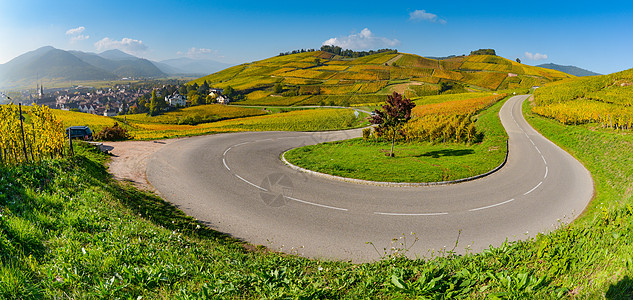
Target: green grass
[[67, 230], [194, 115], [414, 162]]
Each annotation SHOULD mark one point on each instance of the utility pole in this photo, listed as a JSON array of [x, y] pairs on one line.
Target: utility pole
[[22, 130]]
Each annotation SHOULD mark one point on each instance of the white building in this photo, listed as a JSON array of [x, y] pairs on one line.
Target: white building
[[223, 99], [176, 100]]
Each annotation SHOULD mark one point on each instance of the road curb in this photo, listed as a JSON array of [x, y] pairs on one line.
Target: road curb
[[394, 184]]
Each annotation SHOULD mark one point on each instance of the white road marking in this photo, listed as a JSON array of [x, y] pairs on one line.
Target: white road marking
[[315, 204], [534, 188], [490, 206], [405, 214], [538, 150], [240, 144], [546, 171], [257, 186], [225, 165], [227, 151], [543, 157]]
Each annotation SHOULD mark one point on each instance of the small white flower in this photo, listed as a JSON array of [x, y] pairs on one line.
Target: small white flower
[[83, 250], [320, 268]]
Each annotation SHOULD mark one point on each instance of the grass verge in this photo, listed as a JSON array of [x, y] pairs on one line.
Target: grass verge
[[414, 162]]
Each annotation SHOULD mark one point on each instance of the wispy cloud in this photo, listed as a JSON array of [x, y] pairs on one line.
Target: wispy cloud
[[76, 34], [75, 31], [536, 56], [423, 15], [194, 52], [125, 44], [362, 40]]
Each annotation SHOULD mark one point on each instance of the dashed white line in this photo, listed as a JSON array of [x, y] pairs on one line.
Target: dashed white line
[[406, 214], [538, 150], [490, 206], [315, 204], [546, 171], [225, 165], [257, 186], [240, 144], [226, 151], [543, 157], [534, 188]]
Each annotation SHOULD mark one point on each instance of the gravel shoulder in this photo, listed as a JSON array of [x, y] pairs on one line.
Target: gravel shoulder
[[129, 160]]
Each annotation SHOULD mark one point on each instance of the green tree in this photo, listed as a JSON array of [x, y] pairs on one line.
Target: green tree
[[229, 92], [278, 89], [395, 113], [153, 104]]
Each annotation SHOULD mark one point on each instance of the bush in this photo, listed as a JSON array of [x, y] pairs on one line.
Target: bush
[[366, 133], [114, 133]]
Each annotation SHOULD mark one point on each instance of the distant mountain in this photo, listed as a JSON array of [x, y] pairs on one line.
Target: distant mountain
[[121, 64], [116, 54], [195, 66], [572, 70], [51, 64]]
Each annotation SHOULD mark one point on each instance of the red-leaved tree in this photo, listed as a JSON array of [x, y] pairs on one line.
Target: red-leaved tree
[[395, 113]]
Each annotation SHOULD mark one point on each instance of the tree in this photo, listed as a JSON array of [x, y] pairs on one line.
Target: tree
[[395, 113], [278, 89], [153, 104], [229, 92]]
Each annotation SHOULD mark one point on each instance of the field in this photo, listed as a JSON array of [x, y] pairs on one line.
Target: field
[[319, 73], [194, 115], [602, 100], [214, 118]]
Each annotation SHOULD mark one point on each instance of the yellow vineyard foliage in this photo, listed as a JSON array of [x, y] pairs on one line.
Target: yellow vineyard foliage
[[44, 135]]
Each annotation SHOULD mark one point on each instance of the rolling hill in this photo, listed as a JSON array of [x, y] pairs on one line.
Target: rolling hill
[[320, 77], [573, 70]]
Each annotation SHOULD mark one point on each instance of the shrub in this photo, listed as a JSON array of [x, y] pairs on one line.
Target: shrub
[[114, 133]]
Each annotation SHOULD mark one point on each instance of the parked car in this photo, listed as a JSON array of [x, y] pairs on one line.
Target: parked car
[[80, 132]]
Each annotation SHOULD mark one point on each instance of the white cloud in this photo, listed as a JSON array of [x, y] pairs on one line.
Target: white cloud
[[536, 56], [362, 40], [75, 31], [76, 34], [422, 15], [126, 44]]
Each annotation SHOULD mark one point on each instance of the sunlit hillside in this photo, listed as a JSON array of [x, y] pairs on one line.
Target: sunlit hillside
[[321, 78], [605, 100]]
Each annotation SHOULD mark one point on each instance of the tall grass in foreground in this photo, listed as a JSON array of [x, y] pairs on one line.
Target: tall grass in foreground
[[68, 231]]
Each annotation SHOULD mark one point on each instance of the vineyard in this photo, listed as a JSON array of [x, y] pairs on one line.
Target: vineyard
[[322, 74], [446, 118], [603, 100], [40, 136]]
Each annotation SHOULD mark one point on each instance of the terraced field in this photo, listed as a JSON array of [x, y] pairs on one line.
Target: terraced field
[[326, 79]]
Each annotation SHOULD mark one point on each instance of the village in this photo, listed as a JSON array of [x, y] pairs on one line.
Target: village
[[120, 99]]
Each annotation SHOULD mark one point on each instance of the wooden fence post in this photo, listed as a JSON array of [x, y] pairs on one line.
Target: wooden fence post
[[26, 158]]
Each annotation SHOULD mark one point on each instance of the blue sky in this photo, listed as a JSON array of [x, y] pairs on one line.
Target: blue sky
[[592, 35]]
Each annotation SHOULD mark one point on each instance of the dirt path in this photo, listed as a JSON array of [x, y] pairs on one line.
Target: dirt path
[[129, 160], [393, 60]]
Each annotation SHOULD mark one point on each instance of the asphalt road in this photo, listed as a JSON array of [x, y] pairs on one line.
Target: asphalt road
[[237, 184]]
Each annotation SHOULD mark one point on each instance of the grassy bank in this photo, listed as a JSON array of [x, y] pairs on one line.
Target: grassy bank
[[68, 231], [414, 162]]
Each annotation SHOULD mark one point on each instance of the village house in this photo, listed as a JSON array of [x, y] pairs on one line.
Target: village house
[[176, 100]]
